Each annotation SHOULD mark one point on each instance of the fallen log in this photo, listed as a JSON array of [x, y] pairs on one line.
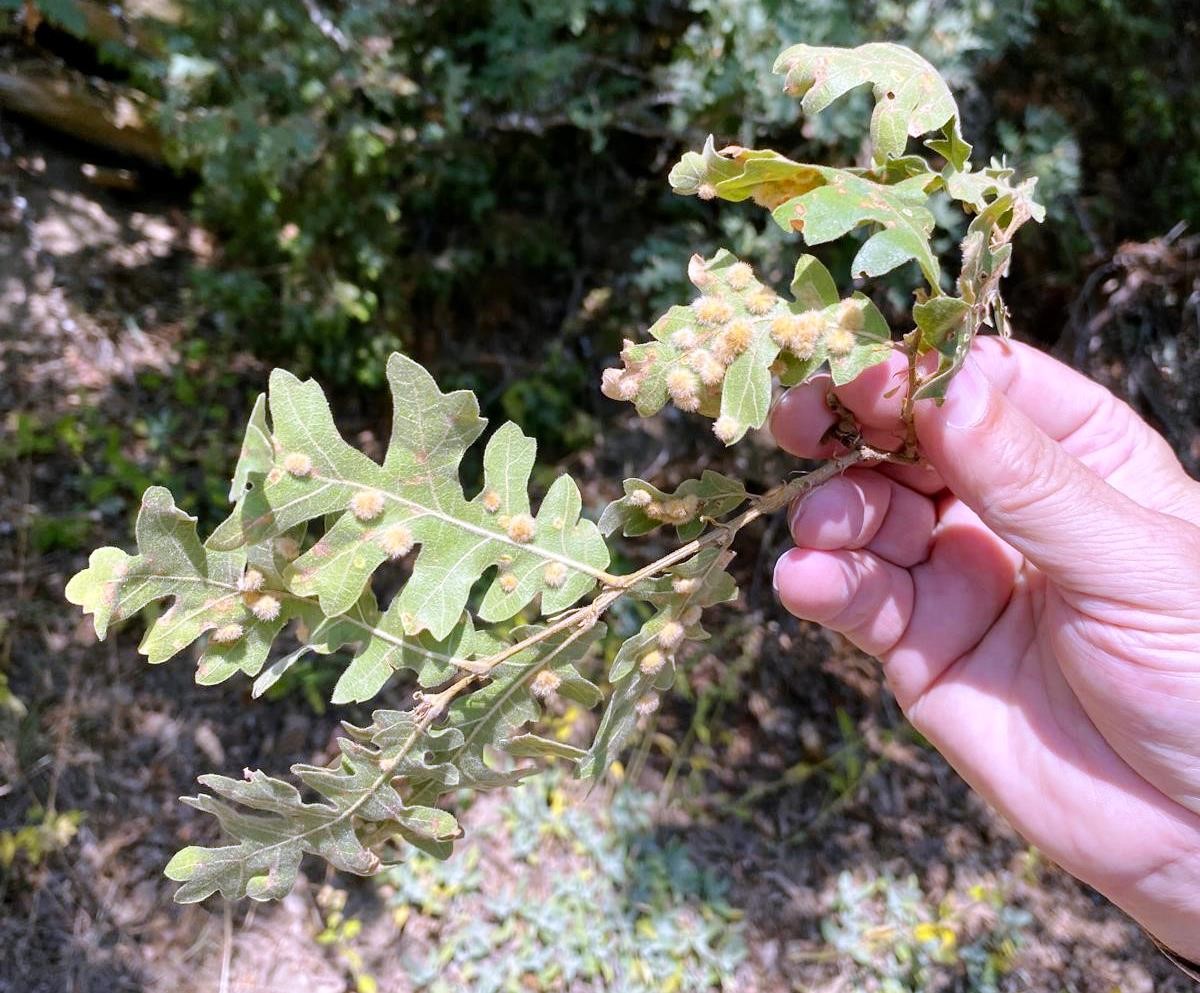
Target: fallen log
[[136, 25], [115, 120]]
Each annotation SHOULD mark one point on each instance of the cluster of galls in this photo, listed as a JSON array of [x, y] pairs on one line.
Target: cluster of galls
[[706, 349], [666, 643], [836, 330], [672, 510], [263, 604]]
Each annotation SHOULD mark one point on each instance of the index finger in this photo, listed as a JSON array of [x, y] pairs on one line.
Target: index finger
[[1054, 396]]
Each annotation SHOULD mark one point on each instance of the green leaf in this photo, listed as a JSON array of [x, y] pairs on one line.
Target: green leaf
[[431, 431], [716, 357], [415, 501], [536, 747], [736, 174], [951, 146], [812, 285], [275, 828], [388, 650], [256, 453], [911, 97], [644, 508], [207, 587], [633, 698], [986, 254], [981, 188], [904, 223], [645, 664], [680, 598], [939, 319], [696, 169], [825, 204], [492, 716]]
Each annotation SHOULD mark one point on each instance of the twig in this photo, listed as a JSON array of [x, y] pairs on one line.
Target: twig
[[323, 24], [583, 619], [578, 622], [226, 950]]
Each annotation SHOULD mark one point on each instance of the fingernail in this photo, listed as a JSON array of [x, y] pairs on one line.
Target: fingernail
[[967, 398]]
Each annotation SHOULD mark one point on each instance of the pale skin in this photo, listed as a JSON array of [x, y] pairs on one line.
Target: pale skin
[[1034, 597]]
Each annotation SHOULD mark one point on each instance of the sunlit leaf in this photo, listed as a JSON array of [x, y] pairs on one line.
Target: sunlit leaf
[[209, 592], [824, 204], [911, 98], [414, 505], [256, 453]]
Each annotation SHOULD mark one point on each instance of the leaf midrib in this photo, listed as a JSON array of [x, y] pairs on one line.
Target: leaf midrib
[[457, 522]]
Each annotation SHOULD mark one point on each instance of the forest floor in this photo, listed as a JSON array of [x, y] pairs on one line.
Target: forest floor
[[801, 769]]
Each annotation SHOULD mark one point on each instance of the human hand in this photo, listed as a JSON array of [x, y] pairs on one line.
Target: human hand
[[1034, 596]]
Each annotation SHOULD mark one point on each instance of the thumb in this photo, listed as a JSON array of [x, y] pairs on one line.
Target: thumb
[[1030, 492]]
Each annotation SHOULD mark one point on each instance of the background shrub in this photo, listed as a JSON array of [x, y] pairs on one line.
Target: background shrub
[[387, 174]]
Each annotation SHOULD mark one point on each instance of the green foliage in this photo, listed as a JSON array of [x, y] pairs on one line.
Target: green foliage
[[902, 942], [276, 827], [644, 666], [717, 356], [389, 174], [415, 499], [251, 577], [487, 610], [63, 13], [645, 507], [205, 586], [378, 169], [600, 904], [1132, 121], [314, 142], [44, 833], [722, 64]]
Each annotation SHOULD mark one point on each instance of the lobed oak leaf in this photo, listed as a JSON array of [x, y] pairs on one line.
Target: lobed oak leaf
[[824, 204], [416, 502], [275, 827], [911, 97], [205, 586]]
